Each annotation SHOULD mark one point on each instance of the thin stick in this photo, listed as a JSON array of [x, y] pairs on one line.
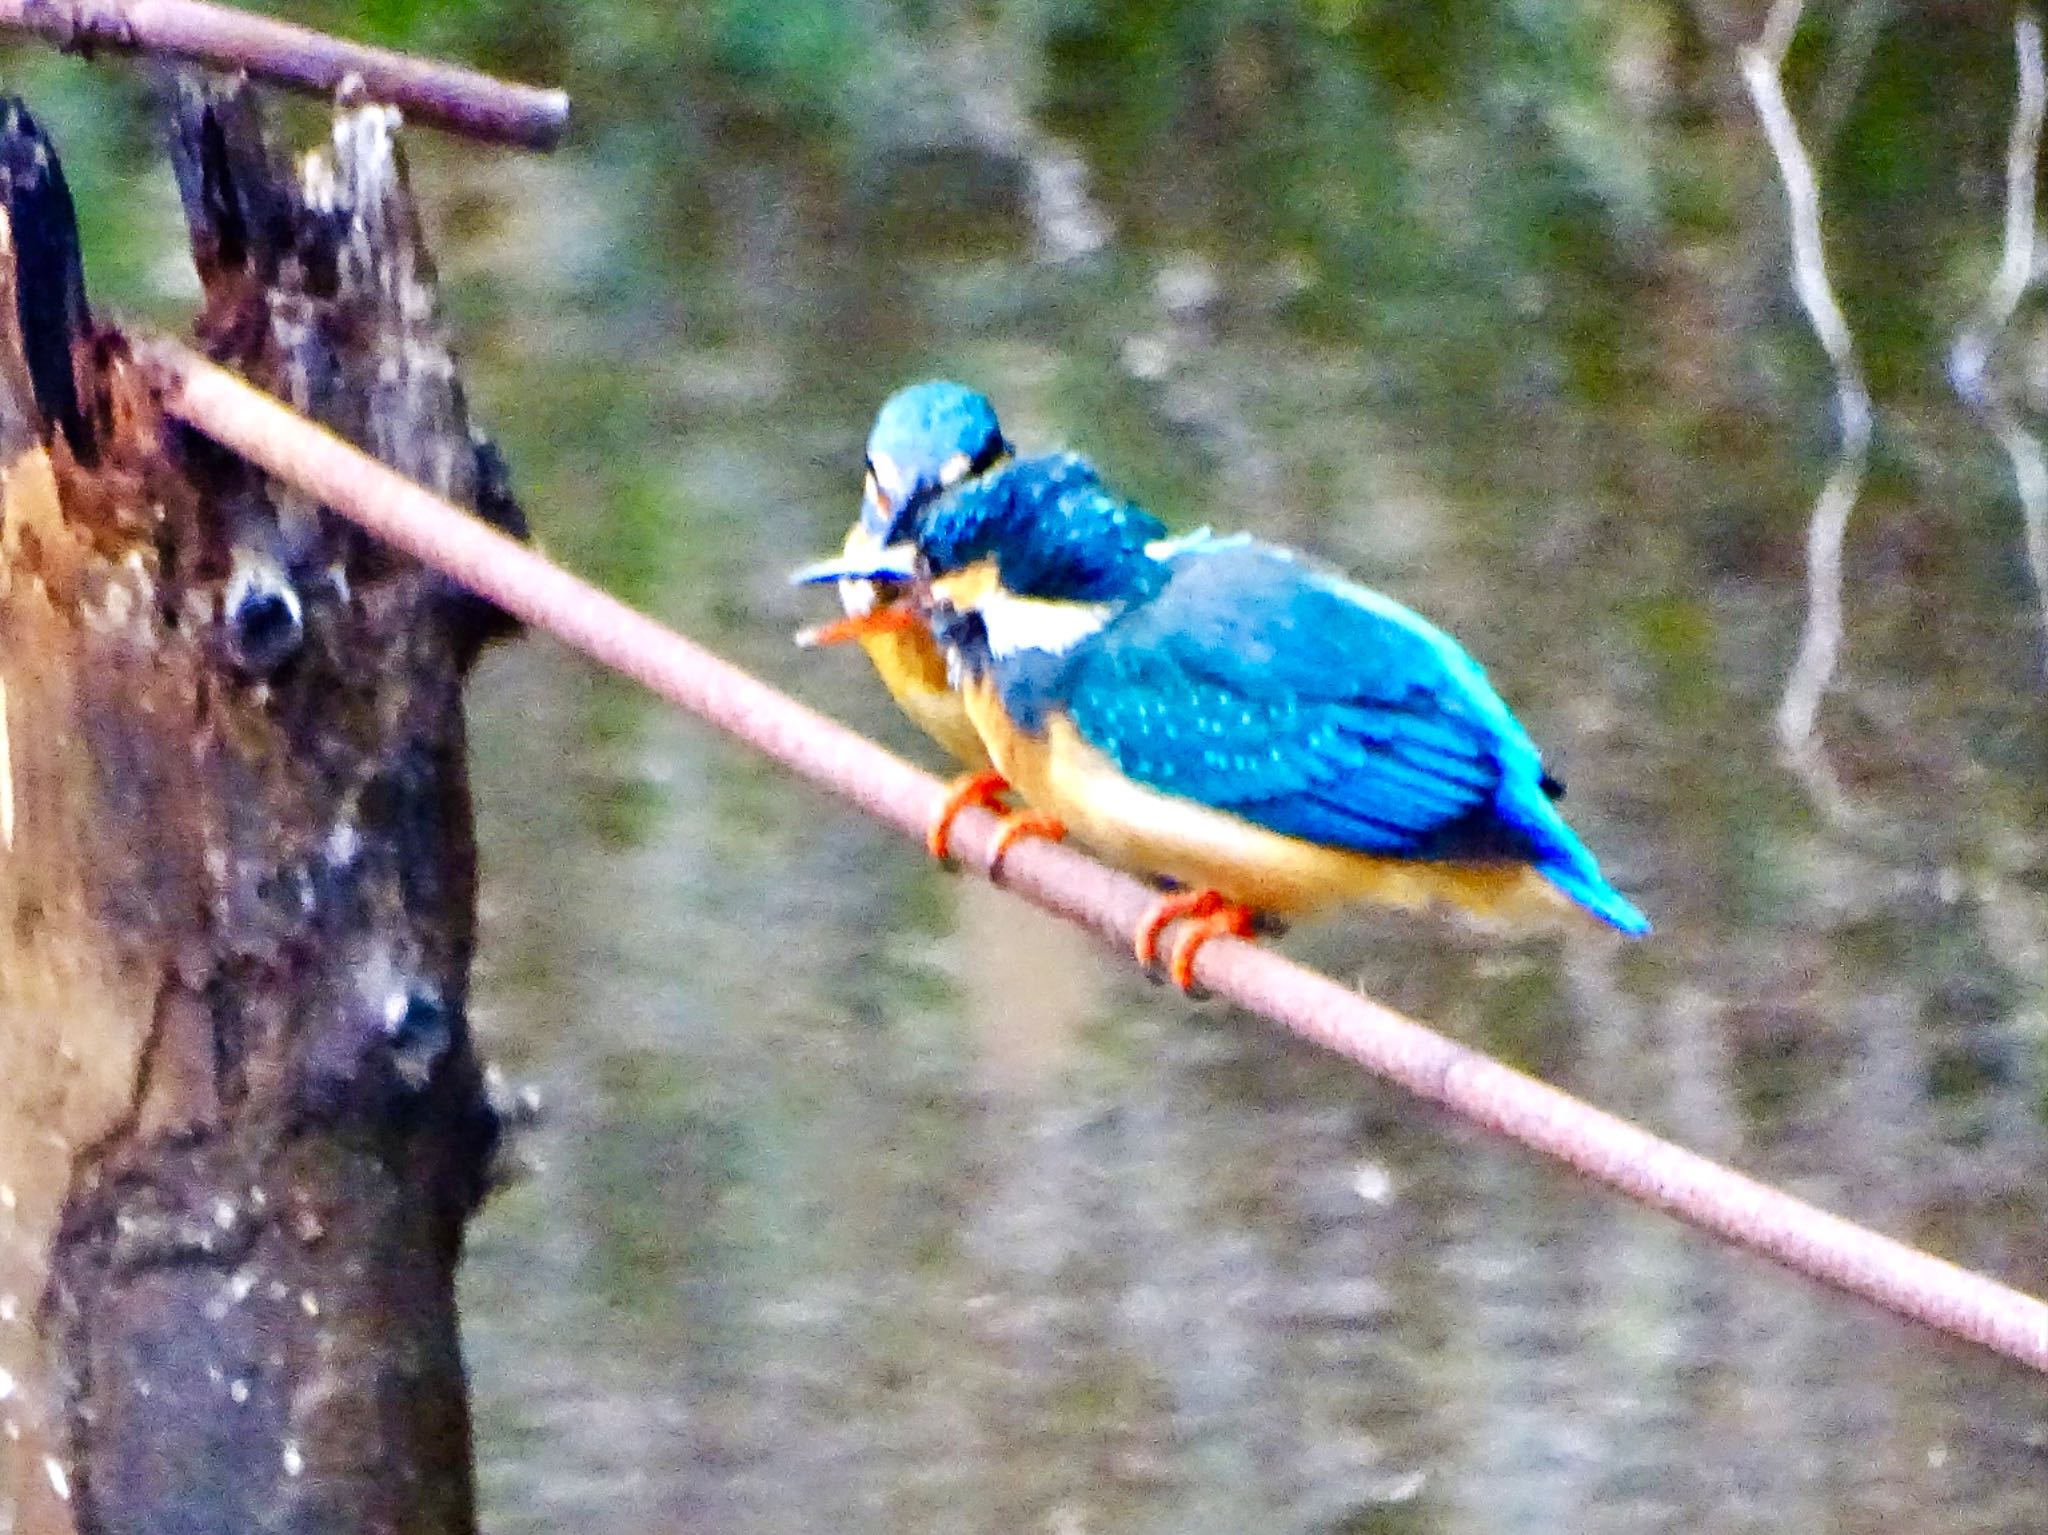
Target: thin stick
[[462, 100], [1969, 359], [1608, 1150], [1821, 645]]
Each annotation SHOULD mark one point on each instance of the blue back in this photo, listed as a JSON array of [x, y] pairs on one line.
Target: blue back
[[1311, 706]]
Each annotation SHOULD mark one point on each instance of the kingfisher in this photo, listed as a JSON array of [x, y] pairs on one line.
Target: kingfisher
[[1261, 733], [926, 440]]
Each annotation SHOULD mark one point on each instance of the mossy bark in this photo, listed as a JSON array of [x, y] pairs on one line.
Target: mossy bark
[[241, 1123]]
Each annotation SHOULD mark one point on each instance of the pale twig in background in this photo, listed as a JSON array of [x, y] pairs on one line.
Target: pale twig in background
[[1969, 359], [1068, 224], [1821, 645], [1973, 345]]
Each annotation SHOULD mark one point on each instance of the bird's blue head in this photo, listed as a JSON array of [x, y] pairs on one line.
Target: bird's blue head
[[1031, 561], [1035, 556], [1035, 552], [926, 439], [1045, 528]]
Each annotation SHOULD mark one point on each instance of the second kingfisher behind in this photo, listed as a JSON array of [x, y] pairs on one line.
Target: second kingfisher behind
[[926, 439]]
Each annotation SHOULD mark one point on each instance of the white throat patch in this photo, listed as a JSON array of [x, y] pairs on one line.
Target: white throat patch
[[1016, 623]]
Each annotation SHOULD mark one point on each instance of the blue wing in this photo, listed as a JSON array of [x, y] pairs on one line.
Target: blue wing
[[1321, 710]]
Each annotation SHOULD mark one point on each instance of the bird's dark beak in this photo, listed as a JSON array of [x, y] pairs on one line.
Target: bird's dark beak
[[893, 563], [889, 618]]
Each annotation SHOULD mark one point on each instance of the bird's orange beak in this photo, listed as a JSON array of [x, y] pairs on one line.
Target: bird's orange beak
[[887, 618]]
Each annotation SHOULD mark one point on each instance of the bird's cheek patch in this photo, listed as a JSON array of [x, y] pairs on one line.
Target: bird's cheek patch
[[965, 591], [872, 493], [885, 486]]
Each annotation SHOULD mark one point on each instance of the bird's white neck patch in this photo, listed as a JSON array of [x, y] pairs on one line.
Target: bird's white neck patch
[[1015, 623]]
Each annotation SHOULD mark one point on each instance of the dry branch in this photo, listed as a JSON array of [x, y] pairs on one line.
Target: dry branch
[[447, 95]]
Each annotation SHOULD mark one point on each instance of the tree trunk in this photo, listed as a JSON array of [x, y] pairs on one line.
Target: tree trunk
[[241, 1125]]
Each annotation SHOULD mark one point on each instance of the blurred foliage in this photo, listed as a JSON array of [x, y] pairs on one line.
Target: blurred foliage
[[1538, 215], [1524, 167]]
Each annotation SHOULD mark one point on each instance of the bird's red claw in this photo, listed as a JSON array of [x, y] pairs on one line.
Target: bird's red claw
[[1017, 825], [1212, 917], [1166, 911], [1227, 920], [970, 791]]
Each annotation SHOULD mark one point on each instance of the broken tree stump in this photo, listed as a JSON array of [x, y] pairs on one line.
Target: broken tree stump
[[241, 1123]]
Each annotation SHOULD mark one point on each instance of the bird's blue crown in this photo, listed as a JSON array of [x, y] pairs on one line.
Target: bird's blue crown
[[919, 432]]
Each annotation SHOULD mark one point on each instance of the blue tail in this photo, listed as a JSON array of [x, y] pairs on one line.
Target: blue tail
[[1560, 857], [1584, 885]]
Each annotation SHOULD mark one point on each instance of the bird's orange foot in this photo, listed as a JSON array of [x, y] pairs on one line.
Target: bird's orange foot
[[1017, 825], [1166, 911], [1212, 917], [983, 791], [1228, 920]]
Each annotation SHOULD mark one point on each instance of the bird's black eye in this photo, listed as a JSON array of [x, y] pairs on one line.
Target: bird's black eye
[[990, 452]]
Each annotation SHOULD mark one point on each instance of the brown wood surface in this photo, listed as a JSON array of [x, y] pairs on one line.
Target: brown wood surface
[[241, 1125]]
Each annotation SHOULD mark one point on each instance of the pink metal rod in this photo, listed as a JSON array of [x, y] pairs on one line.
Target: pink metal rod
[[448, 95], [1606, 1149]]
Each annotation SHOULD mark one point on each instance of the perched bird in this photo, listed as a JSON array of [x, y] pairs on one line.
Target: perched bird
[[926, 439], [1262, 732]]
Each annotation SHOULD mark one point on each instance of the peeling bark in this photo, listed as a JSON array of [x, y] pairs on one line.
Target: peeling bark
[[241, 1124]]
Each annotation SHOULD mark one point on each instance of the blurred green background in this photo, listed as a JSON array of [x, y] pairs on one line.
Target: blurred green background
[[868, 1203]]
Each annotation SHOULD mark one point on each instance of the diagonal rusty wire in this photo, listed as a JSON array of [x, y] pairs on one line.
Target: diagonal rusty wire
[[1602, 1147]]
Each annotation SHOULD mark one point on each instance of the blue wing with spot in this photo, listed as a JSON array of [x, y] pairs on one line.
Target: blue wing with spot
[[1321, 710], [1253, 683]]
